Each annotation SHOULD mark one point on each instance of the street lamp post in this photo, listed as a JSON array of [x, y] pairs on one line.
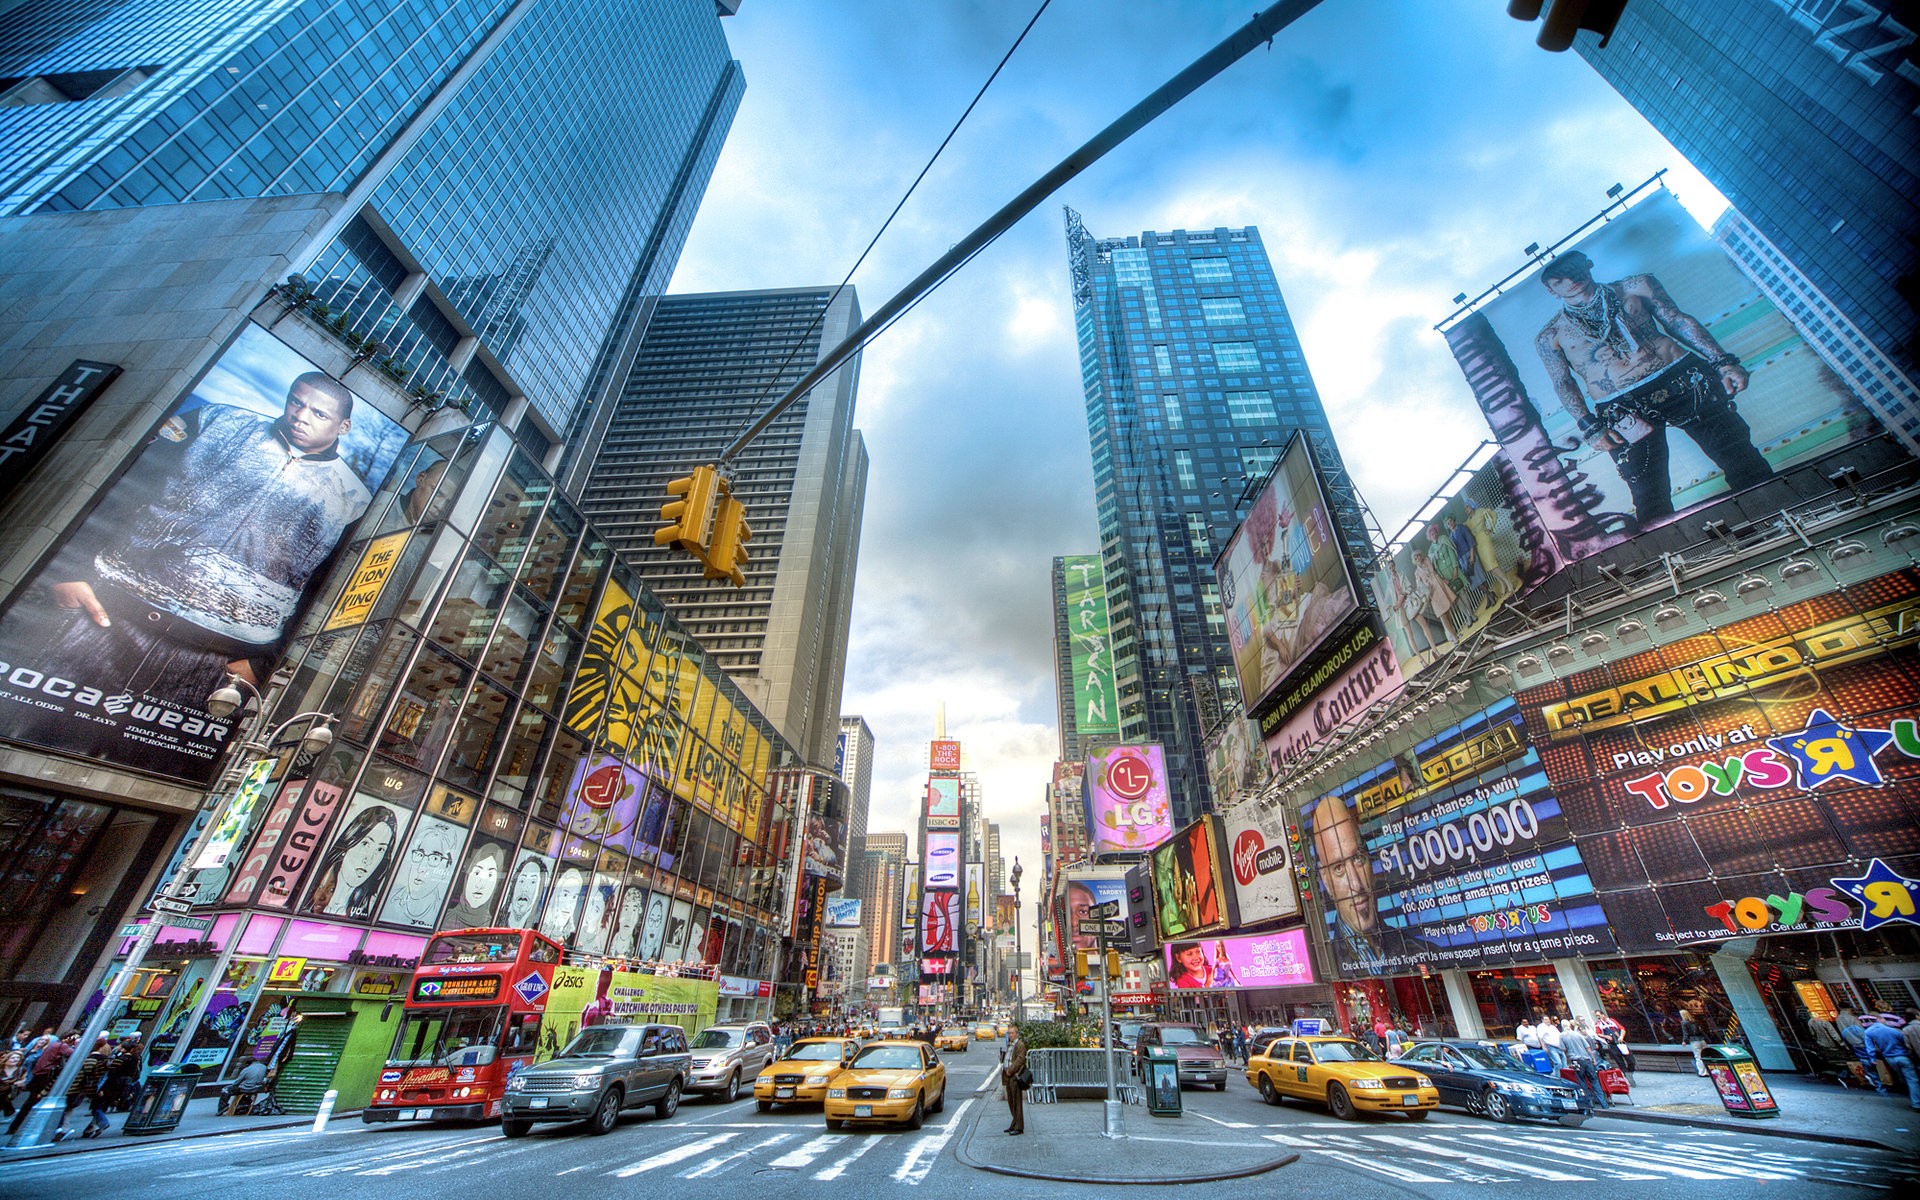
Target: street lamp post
[[1019, 975], [172, 898]]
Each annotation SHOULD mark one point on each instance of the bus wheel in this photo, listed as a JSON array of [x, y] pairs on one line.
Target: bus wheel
[[515, 1129]]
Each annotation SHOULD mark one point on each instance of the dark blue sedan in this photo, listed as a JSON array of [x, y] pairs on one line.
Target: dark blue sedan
[[1481, 1078]]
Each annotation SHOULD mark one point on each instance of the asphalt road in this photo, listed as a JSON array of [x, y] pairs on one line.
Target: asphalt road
[[710, 1150]]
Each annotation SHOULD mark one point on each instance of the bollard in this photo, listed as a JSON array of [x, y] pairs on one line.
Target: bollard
[[326, 1110]]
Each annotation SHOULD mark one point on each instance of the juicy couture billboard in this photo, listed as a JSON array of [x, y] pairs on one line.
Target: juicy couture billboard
[[192, 564]]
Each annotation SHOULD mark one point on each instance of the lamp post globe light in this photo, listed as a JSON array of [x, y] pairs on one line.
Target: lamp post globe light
[[224, 702]]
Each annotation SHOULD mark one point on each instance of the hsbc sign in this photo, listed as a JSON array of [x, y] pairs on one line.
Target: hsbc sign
[[1262, 869]]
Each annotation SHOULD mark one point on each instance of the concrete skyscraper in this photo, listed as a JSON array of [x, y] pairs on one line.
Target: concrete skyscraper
[[1195, 381], [1802, 113], [886, 872], [853, 762], [710, 364]]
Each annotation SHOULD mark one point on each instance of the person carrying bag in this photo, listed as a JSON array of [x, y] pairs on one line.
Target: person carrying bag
[[1019, 1077]]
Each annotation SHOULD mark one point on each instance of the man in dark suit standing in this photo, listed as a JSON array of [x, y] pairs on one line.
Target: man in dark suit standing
[[1013, 1074]]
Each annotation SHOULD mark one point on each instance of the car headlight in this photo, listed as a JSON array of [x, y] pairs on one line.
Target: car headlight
[[516, 1083], [591, 1079], [1368, 1084], [1422, 1081], [1521, 1089], [899, 1093], [836, 1093]]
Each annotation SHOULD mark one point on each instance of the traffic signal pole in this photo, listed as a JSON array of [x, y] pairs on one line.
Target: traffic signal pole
[[1256, 32]]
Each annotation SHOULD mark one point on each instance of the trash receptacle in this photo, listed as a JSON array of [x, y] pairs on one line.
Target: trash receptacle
[[1736, 1077], [162, 1100], [1162, 1082], [1540, 1061]]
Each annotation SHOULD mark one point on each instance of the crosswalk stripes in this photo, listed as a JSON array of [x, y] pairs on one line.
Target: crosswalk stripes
[[667, 1158], [1512, 1157], [803, 1156], [840, 1166], [714, 1166], [927, 1148]]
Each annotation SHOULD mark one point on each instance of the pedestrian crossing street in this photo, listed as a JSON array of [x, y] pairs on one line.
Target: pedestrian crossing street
[[1551, 1155]]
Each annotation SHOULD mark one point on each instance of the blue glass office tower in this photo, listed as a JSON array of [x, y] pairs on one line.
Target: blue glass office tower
[[1802, 113], [539, 161], [1195, 381]]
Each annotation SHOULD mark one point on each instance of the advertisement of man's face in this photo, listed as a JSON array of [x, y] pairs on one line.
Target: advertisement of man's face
[[193, 564], [523, 895], [1346, 871], [1079, 908], [426, 869], [563, 908]]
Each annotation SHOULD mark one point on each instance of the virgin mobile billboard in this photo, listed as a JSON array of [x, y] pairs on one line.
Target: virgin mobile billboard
[[1762, 778], [192, 564], [1283, 580], [1640, 373]]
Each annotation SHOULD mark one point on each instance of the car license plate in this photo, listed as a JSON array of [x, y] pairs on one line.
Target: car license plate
[[863, 1110], [1562, 1102], [423, 1114], [782, 1093], [405, 1114], [1410, 1101], [538, 1102]]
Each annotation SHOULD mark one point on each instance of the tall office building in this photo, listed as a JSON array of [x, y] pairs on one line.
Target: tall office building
[[709, 365], [853, 762], [1866, 370], [1195, 381], [1802, 113], [880, 915], [479, 205], [1086, 702]]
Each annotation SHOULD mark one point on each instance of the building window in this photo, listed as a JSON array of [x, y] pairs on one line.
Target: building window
[[1183, 466], [1224, 311], [1211, 270], [1176, 417], [1258, 460], [1162, 361], [1250, 408], [1236, 356]]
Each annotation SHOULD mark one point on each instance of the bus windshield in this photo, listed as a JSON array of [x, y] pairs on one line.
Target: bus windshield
[[471, 948], [447, 1037]]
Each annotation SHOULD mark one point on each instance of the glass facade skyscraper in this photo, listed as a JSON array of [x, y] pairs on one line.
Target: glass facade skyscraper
[[1802, 113], [1194, 381], [560, 147]]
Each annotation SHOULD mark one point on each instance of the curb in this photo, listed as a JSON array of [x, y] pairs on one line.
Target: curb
[[1762, 1127], [9, 1154], [963, 1151]]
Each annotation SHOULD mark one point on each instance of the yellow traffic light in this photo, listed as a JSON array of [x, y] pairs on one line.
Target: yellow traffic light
[[727, 549], [691, 514]]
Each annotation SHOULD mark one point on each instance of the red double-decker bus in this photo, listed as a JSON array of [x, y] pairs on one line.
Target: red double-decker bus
[[472, 1018]]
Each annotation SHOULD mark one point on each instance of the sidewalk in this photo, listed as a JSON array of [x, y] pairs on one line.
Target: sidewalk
[[201, 1119], [1809, 1108], [1064, 1143]]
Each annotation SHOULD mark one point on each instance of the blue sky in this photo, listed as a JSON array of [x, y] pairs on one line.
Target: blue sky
[[1393, 153]]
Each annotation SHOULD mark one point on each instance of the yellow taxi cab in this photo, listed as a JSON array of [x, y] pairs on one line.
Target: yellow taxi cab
[[951, 1039], [800, 1076], [1000, 1030], [890, 1081], [1343, 1075], [985, 1032]]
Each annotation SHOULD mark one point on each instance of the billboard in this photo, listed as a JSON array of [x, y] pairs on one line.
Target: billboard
[[1373, 676], [976, 889], [1080, 889], [1639, 374], [910, 912], [1127, 804], [1261, 862], [940, 923], [1762, 778], [1462, 566], [1456, 853], [1096, 695], [1261, 961], [1236, 761], [943, 802], [843, 912], [1190, 882], [1283, 579], [191, 564], [943, 754], [942, 868]]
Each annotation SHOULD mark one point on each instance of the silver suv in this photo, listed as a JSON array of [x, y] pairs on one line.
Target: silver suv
[[727, 1056], [604, 1069]]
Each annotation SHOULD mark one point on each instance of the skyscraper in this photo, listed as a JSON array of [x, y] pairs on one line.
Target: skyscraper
[[710, 364], [853, 760], [1802, 113], [1195, 381], [886, 872]]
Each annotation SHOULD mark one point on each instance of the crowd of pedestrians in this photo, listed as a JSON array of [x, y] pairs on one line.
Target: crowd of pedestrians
[[107, 1082]]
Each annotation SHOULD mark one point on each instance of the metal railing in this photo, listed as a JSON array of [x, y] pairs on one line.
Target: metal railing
[[1059, 1069]]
